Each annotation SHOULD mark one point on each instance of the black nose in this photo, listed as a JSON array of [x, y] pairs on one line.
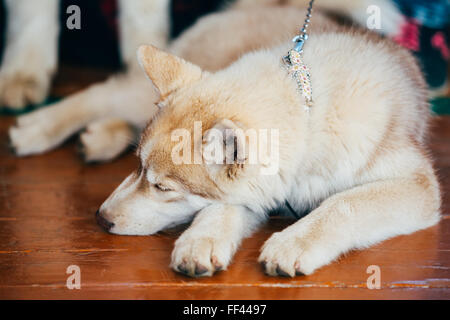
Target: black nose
[[105, 224]]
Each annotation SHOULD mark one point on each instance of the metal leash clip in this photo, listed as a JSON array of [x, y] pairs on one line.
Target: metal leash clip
[[295, 65]]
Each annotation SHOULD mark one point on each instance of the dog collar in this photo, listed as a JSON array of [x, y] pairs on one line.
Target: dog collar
[[294, 61], [299, 71]]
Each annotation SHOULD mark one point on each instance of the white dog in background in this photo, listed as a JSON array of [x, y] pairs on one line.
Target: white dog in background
[[357, 158], [31, 54]]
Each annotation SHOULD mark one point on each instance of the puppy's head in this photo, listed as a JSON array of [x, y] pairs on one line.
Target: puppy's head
[[175, 178]]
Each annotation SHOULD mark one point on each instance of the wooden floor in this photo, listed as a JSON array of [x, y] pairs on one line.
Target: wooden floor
[[47, 206]]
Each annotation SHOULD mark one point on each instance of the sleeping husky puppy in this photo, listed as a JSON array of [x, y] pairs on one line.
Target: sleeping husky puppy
[[31, 52], [356, 159]]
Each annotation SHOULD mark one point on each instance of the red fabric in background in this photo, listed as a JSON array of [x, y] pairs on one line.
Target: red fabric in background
[[109, 10]]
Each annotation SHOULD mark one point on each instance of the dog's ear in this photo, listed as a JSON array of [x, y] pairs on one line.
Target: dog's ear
[[225, 146], [167, 72]]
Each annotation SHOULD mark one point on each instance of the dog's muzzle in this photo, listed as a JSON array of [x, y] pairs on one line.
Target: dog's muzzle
[[105, 224]]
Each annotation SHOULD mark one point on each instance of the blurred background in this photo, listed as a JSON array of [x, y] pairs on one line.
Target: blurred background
[[96, 43], [426, 34]]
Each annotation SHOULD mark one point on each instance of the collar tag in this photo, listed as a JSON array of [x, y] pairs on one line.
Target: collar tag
[[300, 73]]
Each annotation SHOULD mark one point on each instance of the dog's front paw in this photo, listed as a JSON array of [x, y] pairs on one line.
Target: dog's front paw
[[39, 131], [19, 90], [105, 140], [287, 254], [29, 140], [201, 256]]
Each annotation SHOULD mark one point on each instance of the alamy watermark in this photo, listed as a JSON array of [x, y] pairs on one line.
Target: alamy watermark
[[226, 146], [374, 280], [74, 20], [374, 19], [74, 280]]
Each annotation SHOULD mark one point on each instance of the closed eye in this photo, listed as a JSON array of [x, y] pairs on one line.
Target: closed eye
[[162, 188]]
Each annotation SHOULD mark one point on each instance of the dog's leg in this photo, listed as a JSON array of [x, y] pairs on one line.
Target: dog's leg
[[142, 22], [211, 241], [106, 139], [130, 98], [31, 53], [353, 219]]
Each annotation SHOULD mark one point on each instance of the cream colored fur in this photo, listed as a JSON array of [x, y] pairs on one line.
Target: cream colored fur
[[357, 10], [142, 21], [30, 58], [357, 160]]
